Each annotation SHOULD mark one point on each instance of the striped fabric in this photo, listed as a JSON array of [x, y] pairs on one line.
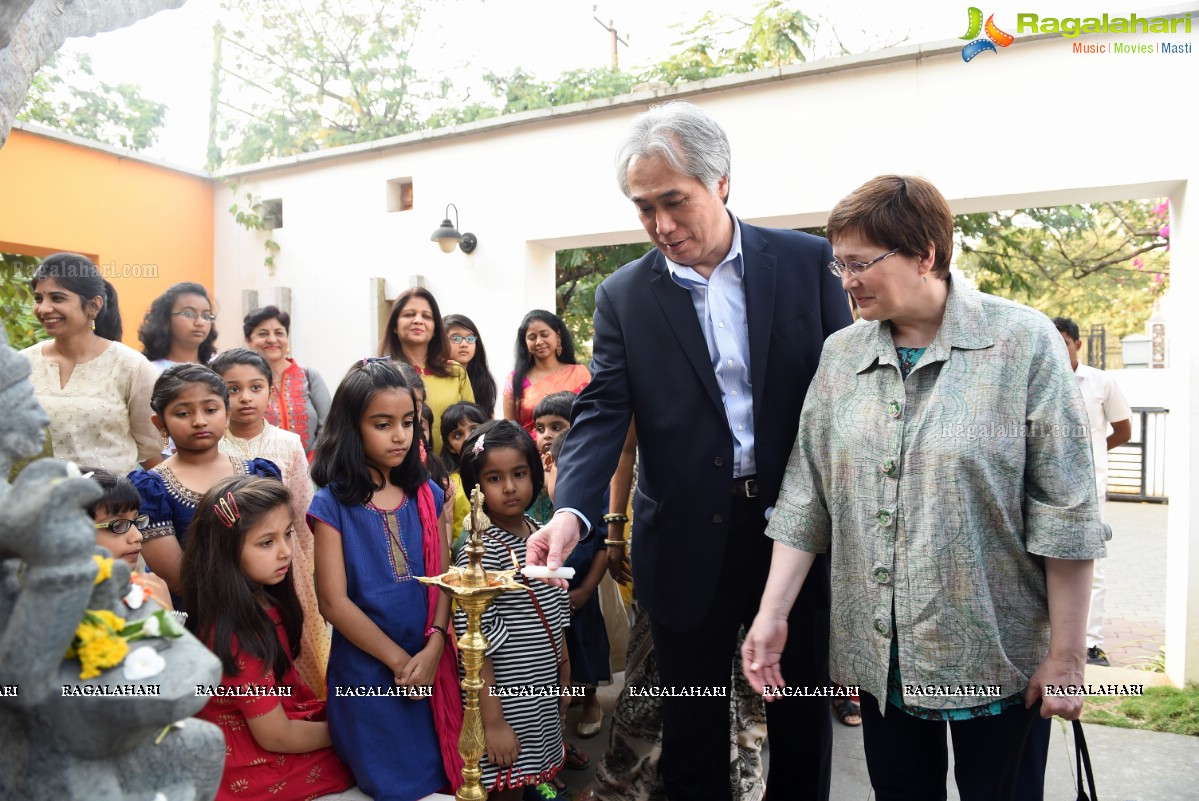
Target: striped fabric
[[525, 660]]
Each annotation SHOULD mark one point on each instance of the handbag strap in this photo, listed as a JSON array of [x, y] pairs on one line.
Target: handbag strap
[[1011, 764], [1082, 759], [532, 596]]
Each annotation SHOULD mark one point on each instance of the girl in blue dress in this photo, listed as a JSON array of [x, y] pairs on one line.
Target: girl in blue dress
[[191, 406], [394, 705]]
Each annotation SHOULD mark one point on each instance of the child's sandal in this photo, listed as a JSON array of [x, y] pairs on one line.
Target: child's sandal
[[576, 759]]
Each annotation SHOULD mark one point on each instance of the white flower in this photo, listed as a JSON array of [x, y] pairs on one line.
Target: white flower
[[159, 797], [136, 596], [150, 626], [142, 663]]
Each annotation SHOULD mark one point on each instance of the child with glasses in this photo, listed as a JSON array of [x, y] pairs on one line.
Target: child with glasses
[[466, 348], [180, 327], [119, 527]]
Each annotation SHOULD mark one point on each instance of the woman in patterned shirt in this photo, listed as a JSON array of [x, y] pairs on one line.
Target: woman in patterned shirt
[[942, 461]]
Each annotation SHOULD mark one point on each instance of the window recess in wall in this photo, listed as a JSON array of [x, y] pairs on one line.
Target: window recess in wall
[[399, 194]]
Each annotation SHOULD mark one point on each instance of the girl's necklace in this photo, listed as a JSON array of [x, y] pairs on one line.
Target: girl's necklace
[[246, 447]]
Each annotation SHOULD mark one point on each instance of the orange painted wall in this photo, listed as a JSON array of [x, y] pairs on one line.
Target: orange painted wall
[[57, 195]]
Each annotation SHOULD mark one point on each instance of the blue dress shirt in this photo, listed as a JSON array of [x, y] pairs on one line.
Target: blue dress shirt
[[719, 302]]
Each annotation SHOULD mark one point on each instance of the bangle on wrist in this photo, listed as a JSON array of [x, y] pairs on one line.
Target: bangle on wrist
[[621, 543], [616, 518], [435, 629]]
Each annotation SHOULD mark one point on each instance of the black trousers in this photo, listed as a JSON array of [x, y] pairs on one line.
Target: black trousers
[[695, 730], [908, 759]]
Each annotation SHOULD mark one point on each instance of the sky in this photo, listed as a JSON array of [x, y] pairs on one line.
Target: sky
[[170, 54]]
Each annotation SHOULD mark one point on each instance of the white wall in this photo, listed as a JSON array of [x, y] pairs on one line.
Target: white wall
[[1034, 124]]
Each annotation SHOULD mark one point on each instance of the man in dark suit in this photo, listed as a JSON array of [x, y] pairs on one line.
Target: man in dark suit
[[709, 342]]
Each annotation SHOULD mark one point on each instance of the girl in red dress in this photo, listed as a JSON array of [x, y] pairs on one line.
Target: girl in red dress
[[241, 602]]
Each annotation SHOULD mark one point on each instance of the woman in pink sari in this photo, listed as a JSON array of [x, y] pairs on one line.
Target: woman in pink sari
[[545, 364]]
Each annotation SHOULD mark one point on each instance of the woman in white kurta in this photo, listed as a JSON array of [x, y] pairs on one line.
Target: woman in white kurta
[[95, 390]]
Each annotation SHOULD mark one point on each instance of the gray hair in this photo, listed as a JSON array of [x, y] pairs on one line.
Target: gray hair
[[685, 135]]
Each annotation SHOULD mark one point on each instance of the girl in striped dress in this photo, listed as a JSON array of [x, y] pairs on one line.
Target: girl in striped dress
[[526, 670]]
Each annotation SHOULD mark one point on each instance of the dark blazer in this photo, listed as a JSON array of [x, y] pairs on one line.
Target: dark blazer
[[651, 361]]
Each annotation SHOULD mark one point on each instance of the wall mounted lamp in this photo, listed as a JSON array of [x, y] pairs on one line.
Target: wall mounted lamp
[[446, 235]]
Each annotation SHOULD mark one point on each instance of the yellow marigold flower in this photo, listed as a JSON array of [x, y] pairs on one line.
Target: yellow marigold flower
[[105, 565], [100, 654], [110, 619], [97, 642]]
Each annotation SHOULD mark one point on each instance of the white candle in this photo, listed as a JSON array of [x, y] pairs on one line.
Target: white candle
[[542, 572]]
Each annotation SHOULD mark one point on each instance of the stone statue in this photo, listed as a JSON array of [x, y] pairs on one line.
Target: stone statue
[[59, 736], [31, 30]]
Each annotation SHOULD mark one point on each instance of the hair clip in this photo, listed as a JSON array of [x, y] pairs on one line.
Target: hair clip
[[478, 445], [226, 510]]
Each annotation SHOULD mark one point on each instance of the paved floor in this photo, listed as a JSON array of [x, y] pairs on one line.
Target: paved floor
[[1135, 616], [1129, 765]]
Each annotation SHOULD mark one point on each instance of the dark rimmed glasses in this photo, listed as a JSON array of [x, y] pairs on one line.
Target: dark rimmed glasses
[[458, 339], [856, 267], [119, 527]]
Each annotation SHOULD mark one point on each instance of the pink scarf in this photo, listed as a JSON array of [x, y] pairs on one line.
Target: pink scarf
[[447, 693]]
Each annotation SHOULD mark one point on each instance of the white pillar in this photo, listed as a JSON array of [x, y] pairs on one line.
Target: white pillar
[[1182, 527]]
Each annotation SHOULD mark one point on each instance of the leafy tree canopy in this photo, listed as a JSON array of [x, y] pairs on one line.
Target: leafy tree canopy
[[579, 273], [777, 36], [522, 91], [1100, 264], [300, 76], [314, 74], [67, 96]]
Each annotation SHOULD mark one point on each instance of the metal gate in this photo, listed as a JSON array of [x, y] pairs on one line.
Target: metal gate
[[1136, 471]]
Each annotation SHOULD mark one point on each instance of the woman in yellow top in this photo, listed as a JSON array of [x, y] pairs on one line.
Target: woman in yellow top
[[416, 335]]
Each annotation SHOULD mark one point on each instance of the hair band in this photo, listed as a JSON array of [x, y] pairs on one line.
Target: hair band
[[478, 445]]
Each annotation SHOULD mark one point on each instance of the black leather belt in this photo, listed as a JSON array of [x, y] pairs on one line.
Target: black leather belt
[[746, 487]]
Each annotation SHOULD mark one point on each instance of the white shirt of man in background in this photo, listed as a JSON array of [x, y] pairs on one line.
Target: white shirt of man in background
[[1106, 406]]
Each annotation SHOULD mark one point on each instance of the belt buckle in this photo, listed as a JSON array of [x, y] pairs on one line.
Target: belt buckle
[[751, 488]]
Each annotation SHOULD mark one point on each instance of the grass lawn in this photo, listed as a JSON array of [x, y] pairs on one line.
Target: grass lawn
[[1165, 709]]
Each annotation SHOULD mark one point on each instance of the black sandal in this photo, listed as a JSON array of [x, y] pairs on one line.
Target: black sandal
[[847, 708], [575, 759]]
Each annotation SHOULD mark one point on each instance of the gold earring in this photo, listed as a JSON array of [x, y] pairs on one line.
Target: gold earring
[[559, 350], [91, 323]]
